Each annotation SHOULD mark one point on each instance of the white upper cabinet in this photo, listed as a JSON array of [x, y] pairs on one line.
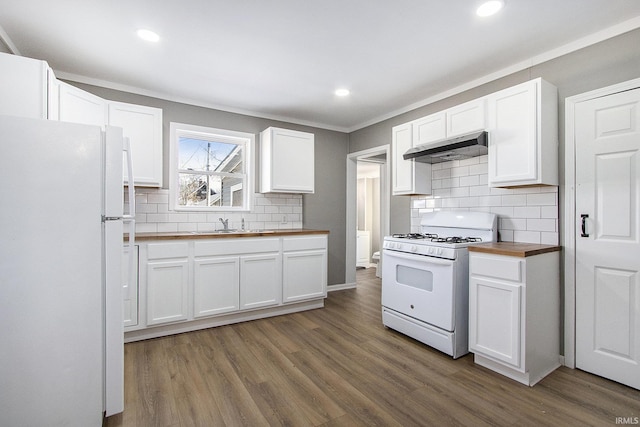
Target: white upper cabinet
[[523, 135], [143, 126], [408, 177], [429, 129], [466, 118], [287, 162], [25, 87], [79, 106]]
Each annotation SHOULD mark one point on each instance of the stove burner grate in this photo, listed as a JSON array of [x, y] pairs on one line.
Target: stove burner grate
[[456, 239], [415, 236]]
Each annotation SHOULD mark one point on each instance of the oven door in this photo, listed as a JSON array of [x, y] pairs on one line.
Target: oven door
[[420, 287]]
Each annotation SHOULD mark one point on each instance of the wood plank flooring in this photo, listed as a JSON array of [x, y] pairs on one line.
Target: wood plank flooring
[[338, 366]]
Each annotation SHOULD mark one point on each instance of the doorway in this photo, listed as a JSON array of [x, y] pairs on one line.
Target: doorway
[[372, 158], [368, 213], [602, 233]]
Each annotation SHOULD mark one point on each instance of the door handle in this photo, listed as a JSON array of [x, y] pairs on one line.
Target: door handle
[[584, 225]]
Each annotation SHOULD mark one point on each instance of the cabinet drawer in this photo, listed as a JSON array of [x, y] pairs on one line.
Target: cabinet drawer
[[167, 250], [237, 246], [495, 266], [304, 243]]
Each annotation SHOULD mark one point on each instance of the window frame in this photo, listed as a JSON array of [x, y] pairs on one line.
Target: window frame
[[247, 140]]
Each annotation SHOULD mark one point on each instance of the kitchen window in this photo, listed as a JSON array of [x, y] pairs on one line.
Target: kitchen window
[[209, 169]]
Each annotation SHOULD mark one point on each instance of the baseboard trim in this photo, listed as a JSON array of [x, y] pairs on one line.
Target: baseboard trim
[[341, 287]]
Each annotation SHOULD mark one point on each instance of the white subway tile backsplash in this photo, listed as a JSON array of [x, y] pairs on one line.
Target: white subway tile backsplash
[[468, 181], [525, 214], [460, 171], [526, 236], [535, 224], [543, 199], [513, 223], [268, 211], [441, 173], [514, 200], [549, 212]]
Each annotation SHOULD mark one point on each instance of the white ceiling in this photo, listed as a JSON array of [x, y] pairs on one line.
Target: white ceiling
[[283, 59]]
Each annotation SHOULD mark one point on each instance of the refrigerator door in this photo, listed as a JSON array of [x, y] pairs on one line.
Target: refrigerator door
[[113, 248], [51, 297]]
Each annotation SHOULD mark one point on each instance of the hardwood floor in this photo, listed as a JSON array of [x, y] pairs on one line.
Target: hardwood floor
[[339, 366]]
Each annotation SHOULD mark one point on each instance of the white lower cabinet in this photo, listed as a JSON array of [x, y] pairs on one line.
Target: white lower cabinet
[[167, 282], [196, 283], [216, 286], [260, 280], [304, 266], [514, 313]]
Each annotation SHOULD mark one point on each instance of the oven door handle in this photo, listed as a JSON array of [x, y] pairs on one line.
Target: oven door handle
[[424, 258]]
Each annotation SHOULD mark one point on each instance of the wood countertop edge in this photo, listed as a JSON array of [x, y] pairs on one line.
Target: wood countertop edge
[[515, 249], [142, 237]]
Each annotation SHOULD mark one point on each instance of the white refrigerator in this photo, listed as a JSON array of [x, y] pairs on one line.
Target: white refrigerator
[[61, 245]]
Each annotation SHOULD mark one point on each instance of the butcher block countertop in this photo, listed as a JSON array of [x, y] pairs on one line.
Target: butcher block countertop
[[191, 235], [515, 249]]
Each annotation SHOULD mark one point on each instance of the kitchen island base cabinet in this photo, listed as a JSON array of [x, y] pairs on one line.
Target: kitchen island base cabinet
[[514, 314]]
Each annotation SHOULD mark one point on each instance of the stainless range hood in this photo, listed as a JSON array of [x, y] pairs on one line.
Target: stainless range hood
[[458, 148]]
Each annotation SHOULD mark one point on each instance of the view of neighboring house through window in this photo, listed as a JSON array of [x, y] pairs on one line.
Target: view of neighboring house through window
[[209, 168]]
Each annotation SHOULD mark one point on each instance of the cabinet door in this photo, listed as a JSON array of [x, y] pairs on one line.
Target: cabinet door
[[465, 118], [216, 287], [513, 137], [287, 161], [130, 286], [495, 320], [167, 291], [304, 275], [402, 169], [23, 87], [143, 126], [429, 129], [260, 280], [78, 106]]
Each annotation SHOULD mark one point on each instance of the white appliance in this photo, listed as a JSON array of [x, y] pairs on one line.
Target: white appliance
[[425, 278], [61, 351]]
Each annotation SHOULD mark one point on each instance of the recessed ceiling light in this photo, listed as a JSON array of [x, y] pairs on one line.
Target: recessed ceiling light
[[489, 8], [148, 35], [342, 92]]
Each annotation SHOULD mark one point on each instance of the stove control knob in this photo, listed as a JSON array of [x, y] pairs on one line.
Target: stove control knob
[[440, 251], [414, 248], [430, 250]]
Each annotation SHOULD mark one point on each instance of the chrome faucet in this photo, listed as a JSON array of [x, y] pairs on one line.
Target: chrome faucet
[[225, 223]]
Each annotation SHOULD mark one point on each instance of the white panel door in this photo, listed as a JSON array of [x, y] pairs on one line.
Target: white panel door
[[77, 106], [513, 136], [495, 320], [260, 280], [216, 286], [167, 291], [402, 169], [607, 238], [304, 275]]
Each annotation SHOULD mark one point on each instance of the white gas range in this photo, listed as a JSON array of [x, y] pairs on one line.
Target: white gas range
[[425, 278]]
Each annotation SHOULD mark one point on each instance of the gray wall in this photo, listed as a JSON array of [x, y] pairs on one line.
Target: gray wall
[[603, 64], [325, 209]]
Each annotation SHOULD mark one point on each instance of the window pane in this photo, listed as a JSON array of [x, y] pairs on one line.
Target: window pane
[[208, 190], [202, 155]]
